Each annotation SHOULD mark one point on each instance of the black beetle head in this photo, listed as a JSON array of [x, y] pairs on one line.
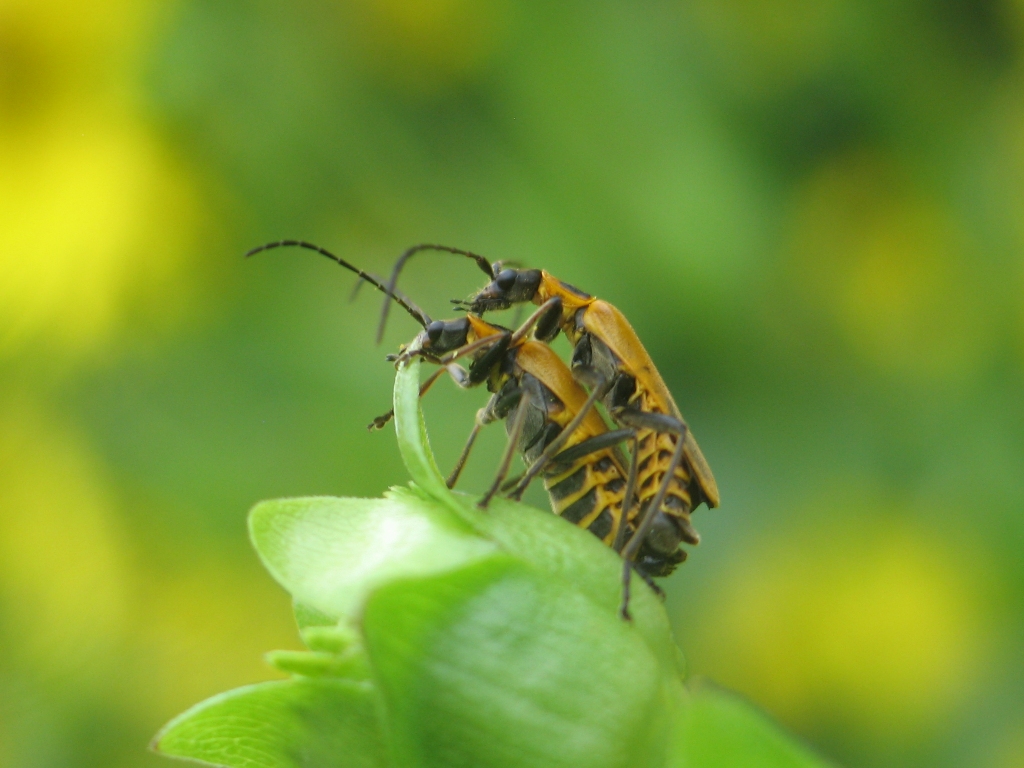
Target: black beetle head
[[510, 286]]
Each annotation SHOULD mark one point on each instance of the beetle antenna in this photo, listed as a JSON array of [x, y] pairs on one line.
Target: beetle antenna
[[403, 301], [481, 262], [355, 290]]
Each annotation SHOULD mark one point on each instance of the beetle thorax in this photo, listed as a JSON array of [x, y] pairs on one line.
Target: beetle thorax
[[573, 299]]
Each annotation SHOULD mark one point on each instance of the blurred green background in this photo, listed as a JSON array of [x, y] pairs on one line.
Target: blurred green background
[[812, 213]]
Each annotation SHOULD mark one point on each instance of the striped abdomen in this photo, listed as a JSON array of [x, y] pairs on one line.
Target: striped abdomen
[[653, 459], [589, 491]]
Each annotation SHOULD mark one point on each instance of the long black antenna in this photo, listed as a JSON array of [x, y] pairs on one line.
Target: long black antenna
[[390, 289], [418, 314]]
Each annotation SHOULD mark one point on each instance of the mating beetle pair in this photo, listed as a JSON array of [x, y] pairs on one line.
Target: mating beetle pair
[[640, 507]]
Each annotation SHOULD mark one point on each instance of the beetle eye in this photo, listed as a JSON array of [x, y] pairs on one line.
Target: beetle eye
[[434, 330], [506, 279]]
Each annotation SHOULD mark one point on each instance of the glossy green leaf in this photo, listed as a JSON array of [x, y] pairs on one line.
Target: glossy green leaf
[[716, 729], [300, 723], [498, 665], [329, 552]]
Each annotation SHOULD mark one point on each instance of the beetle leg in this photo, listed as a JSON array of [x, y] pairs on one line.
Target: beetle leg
[[556, 445], [656, 422], [453, 478], [384, 418], [545, 318], [629, 552], [514, 435], [591, 445], [511, 483], [627, 570], [627, 498], [481, 367], [459, 375], [649, 581], [481, 421]]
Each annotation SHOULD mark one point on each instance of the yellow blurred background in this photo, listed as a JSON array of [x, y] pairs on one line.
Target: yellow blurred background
[[811, 213]]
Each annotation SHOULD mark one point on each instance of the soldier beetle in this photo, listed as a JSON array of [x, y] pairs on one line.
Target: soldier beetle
[[609, 359]]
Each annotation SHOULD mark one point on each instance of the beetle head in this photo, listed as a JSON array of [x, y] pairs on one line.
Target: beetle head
[[509, 286]]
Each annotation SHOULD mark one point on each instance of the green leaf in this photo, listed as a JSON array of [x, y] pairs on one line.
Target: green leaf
[[329, 553], [303, 723], [352, 666], [310, 617], [716, 729], [334, 652], [567, 553], [497, 665], [411, 431], [336, 639]]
